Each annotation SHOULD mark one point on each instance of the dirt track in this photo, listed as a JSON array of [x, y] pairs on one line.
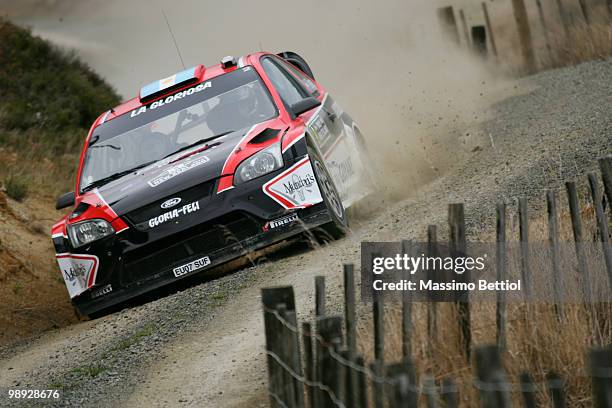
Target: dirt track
[[204, 346]]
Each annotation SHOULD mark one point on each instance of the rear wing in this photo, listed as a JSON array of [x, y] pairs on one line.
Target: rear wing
[[297, 61]]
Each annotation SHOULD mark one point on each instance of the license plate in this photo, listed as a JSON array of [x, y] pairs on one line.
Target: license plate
[[191, 266]]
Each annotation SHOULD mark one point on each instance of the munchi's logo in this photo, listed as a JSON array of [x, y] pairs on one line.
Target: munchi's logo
[[171, 202], [298, 184], [74, 272], [296, 187]]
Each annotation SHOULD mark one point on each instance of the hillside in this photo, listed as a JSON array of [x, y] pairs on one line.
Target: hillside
[[48, 100]]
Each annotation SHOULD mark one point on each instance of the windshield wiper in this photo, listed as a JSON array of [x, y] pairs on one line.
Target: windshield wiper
[[198, 142], [115, 176], [106, 145]]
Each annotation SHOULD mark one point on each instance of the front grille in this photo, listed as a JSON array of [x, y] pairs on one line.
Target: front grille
[[172, 251], [143, 214]]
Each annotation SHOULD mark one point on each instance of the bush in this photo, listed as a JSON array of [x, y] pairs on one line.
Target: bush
[[16, 187], [48, 101], [45, 87]]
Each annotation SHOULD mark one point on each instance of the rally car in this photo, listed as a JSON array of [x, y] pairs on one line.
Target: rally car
[[203, 167]]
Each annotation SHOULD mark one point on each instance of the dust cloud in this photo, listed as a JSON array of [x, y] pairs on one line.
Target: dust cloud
[[411, 91]]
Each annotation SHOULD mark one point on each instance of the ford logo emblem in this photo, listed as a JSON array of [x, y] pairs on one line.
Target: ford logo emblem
[[171, 202]]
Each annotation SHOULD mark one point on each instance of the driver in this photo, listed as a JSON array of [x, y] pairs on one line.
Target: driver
[[236, 109]]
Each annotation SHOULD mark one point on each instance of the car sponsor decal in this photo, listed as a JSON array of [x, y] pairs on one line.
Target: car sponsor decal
[[177, 169], [280, 222], [171, 98], [171, 203], [104, 290], [318, 128], [191, 266], [176, 213], [79, 272], [296, 187]]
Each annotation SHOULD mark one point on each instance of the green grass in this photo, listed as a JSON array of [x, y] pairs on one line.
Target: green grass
[[219, 296], [90, 371], [135, 338]]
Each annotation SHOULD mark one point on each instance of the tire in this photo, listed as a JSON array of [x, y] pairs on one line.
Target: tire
[[339, 226]]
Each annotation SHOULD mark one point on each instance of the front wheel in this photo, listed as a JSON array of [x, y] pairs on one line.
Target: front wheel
[[338, 227]]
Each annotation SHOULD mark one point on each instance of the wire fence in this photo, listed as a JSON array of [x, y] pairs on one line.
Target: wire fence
[[318, 365]]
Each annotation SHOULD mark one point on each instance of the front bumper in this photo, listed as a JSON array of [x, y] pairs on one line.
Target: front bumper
[[229, 225]]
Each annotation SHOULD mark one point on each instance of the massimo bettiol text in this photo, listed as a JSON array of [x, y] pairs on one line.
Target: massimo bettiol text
[[391, 270]]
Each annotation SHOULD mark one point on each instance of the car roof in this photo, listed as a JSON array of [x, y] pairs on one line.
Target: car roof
[[208, 72]]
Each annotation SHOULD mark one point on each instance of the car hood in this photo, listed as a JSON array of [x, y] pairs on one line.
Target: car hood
[[169, 176]]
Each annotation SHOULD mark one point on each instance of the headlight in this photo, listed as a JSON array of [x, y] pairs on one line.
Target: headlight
[[88, 231], [260, 163]]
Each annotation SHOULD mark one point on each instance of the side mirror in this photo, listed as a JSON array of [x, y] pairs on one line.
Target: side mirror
[[304, 105], [65, 201]]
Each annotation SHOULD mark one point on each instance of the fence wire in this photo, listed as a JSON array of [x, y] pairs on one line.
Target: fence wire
[[531, 387]]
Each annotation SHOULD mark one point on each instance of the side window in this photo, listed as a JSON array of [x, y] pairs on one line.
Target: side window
[[303, 78], [285, 84]]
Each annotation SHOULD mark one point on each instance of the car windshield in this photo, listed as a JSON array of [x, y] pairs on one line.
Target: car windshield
[[227, 103]]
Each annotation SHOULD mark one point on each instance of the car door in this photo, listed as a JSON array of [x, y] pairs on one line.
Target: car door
[[324, 124]]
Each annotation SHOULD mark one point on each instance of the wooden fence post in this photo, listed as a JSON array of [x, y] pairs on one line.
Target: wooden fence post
[[284, 334], [524, 238], [605, 165], [378, 389], [500, 259], [553, 241], [450, 394], [319, 296], [402, 391], [446, 18], [378, 312], [528, 390], [544, 28], [281, 347], [340, 370], [602, 225], [458, 247], [466, 33], [432, 251], [585, 12], [319, 312], [429, 389], [564, 18], [485, 10], [308, 361], [554, 383], [601, 365], [583, 269], [362, 385], [522, 23], [491, 378], [329, 331], [351, 332], [407, 248]]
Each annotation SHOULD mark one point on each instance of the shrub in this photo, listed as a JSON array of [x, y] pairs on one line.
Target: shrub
[[49, 99], [16, 187]]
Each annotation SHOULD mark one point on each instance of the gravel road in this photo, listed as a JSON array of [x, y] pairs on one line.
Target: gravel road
[[203, 346]]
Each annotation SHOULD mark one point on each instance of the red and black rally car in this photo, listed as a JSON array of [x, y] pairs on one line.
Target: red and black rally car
[[201, 168]]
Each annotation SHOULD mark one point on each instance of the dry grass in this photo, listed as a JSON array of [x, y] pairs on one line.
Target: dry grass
[[579, 43], [537, 341]]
